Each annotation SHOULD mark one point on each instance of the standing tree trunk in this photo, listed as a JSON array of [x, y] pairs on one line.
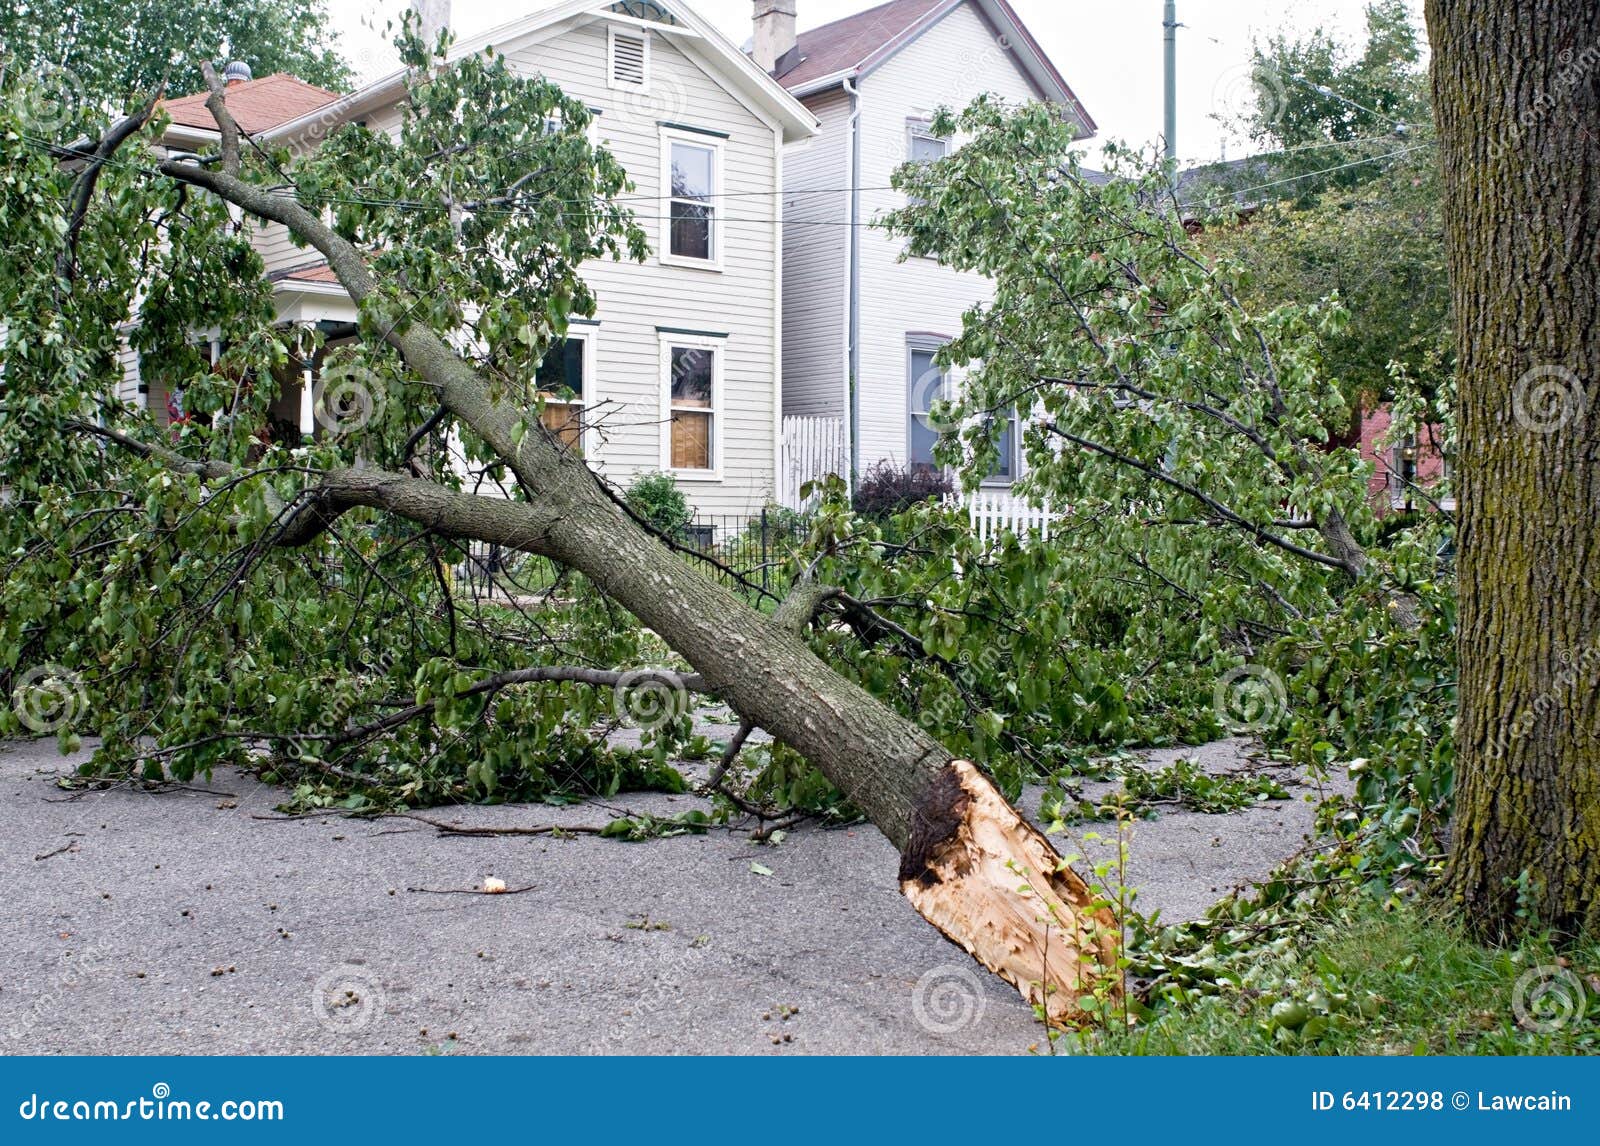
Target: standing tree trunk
[[1517, 95]]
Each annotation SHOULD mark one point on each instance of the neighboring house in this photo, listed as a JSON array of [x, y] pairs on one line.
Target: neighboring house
[[680, 369], [1405, 474], [861, 325]]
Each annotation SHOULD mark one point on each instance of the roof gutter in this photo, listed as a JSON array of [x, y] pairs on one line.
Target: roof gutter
[[853, 368]]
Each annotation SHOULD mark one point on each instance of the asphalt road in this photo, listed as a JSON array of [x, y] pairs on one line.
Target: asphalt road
[[193, 923]]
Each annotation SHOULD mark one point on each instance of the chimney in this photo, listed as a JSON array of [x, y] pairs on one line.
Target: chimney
[[237, 72], [433, 17], [775, 33]]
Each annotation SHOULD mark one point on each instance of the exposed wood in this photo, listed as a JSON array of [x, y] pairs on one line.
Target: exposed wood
[[992, 883], [762, 668]]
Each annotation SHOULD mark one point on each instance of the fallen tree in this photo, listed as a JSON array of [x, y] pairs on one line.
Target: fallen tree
[[494, 269]]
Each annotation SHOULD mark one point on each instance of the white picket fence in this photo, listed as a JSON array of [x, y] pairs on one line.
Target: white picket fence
[[810, 448], [994, 513]]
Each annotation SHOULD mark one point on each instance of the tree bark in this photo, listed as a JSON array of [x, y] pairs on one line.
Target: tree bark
[[969, 862], [1517, 96]]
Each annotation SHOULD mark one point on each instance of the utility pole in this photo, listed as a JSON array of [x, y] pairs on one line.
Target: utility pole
[[1170, 24]]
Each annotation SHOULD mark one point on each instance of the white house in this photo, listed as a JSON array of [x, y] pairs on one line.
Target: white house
[[861, 324], [680, 370]]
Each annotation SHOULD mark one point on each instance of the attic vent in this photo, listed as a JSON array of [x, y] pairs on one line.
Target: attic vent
[[630, 58]]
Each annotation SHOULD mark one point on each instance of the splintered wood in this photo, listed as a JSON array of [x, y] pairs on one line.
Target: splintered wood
[[997, 888]]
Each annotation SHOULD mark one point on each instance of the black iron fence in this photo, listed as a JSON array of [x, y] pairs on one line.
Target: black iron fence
[[747, 551], [752, 553]]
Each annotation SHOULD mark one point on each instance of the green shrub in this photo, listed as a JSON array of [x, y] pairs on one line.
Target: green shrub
[[657, 498]]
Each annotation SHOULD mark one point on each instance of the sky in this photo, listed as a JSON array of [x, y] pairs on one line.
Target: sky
[[1110, 51]]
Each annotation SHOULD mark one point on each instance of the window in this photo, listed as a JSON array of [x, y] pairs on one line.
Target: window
[[926, 148], [692, 177], [628, 52], [929, 386], [644, 10], [1009, 463], [561, 379], [693, 392]]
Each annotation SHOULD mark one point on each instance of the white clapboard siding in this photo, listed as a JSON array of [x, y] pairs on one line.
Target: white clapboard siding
[[949, 65], [995, 513], [811, 448]]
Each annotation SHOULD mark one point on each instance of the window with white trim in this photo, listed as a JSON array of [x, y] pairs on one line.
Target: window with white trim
[[628, 58], [925, 147], [928, 385], [692, 173], [1008, 440], [693, 391], [564, 384], [922, 146]]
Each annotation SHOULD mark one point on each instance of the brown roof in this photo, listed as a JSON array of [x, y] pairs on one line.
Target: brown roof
[[258, 105], [847, 44], [859, 43], [319, 272]]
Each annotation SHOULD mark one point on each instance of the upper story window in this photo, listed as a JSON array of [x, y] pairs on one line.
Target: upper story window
[[692, 174], [628, 58], [922, 146], [925, 147]]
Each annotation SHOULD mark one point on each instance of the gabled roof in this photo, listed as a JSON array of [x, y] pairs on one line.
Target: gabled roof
[[854, 47], [695, 37], [258, 105], [849, 44]]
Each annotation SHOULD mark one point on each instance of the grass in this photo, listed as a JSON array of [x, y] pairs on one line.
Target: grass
[[1377, 981]]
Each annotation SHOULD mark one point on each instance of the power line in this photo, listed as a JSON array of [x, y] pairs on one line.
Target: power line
[[509, 209]]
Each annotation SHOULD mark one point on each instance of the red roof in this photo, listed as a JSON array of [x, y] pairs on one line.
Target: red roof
[[847, 44], [319, 272], [258, 105]]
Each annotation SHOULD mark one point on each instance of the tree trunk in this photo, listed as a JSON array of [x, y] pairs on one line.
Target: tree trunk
[[969, 862], [1517, 95]]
